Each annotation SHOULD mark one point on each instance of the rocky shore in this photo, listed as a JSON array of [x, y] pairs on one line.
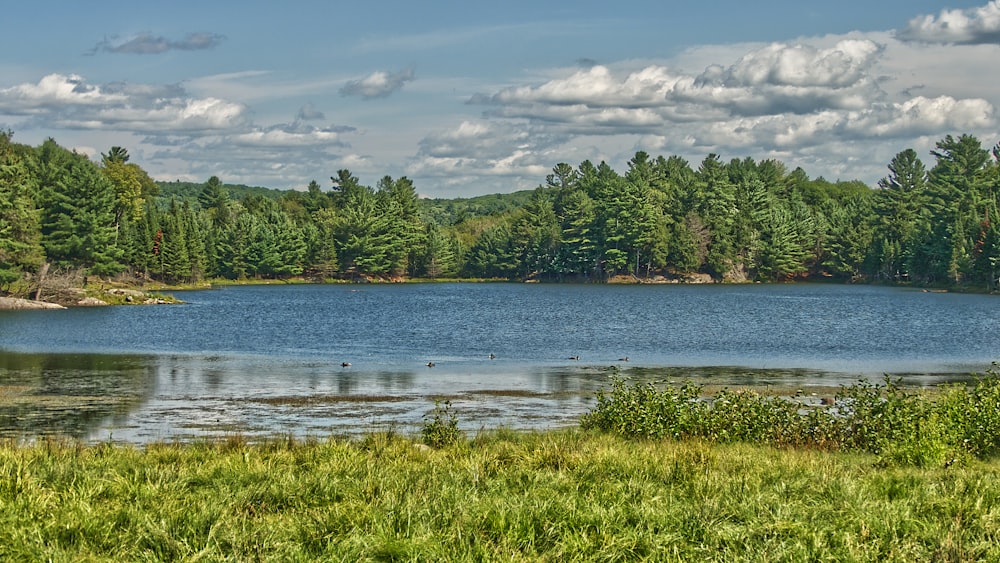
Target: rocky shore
[[16, 303], [79, 298]]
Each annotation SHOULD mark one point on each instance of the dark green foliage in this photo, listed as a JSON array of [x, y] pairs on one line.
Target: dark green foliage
[[191, 191], [77, 204], [20, 234], [741, 220]]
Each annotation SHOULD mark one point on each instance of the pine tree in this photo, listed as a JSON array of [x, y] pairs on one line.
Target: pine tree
[[77, 204], [20, 234]]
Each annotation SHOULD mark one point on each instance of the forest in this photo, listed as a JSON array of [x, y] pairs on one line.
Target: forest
[[662, 219]]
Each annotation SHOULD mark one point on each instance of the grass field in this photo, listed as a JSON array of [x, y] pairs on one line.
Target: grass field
[[653, 473], [500, 496]]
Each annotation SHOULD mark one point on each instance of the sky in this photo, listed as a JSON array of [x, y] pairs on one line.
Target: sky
[[471, 98]]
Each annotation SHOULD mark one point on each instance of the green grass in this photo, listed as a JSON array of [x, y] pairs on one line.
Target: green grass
[[660, 473], [500, 496]]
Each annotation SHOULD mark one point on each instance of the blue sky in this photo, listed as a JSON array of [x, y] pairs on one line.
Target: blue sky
[[470, 98]]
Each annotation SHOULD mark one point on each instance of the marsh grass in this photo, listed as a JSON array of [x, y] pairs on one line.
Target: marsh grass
[[497, 496]]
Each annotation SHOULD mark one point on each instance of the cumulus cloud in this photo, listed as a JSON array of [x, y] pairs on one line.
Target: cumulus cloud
[[185, 136], [821, 102], [149, 44], [771, 79], [292, 135], [775, 95], [378, 84], [54, 90], [804, 66], [68, 101], [484, 148], [965, 27]]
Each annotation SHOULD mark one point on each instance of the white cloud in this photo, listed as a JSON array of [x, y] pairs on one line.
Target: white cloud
[[776, 99], [54, 90], [969, 27], [378, 84], [287, 136], [487, 149], [68, 101], [593, 87]]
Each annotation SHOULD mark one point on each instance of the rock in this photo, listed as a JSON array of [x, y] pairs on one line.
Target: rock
[[127, 292], [16, 303], [90, 302], [698, 278]]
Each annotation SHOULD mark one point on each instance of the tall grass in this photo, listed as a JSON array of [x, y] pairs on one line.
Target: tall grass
[[944, 425], [499, 496], [661, 474]]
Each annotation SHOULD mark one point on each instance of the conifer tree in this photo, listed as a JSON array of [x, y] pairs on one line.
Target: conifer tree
[[20, 234], [77, 204]]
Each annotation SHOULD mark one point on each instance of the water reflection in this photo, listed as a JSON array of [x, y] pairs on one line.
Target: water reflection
[[69, 394], [140, 399]]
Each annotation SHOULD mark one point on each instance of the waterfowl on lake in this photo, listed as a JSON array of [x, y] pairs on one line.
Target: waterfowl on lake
[[574, 357], [345, 365], [623, 359], [492, 355], [430, 364]]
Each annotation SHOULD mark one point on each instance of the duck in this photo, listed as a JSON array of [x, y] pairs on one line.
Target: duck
[[623, 359], [574, 357], [492, 356], [345, 364], [430, 364]]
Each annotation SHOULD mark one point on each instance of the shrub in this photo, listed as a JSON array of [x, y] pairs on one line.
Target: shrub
[[902, 427], [442, 428]]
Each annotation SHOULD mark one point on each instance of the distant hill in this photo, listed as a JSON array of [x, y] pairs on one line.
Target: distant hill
[[439, 210], [455, 210], [188, 191]]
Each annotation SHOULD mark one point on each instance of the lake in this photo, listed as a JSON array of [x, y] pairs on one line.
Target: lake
[[265, 360]]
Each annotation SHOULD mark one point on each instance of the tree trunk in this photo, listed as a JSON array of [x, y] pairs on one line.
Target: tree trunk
[[41, 280]]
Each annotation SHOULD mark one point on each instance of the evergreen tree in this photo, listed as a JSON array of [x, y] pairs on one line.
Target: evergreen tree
[[577, 253], [715, 203], [900, 208], [214, 199], [20, 234], [131, 183], [77, 204], [175, 260], [958, 188], [535, 236]]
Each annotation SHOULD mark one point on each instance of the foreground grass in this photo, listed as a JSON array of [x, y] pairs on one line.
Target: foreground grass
[[506, 496]]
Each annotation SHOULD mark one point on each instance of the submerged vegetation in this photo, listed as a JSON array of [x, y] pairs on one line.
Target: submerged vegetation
[[662, 219], [882, 474]]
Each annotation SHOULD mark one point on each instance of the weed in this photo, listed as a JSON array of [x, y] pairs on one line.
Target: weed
[[441, 429]]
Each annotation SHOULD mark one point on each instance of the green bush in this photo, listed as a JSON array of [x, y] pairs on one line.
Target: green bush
[[902, 427], [442, 428]]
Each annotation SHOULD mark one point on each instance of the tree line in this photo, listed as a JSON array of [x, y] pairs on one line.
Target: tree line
[[740, 220]]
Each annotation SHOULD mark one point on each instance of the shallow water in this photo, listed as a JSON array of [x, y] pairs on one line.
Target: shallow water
[[260, 361]]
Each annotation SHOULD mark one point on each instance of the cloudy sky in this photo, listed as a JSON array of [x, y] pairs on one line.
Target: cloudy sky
[[468, 98]]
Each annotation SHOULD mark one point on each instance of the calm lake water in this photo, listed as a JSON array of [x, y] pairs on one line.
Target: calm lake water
[[265, 360]]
